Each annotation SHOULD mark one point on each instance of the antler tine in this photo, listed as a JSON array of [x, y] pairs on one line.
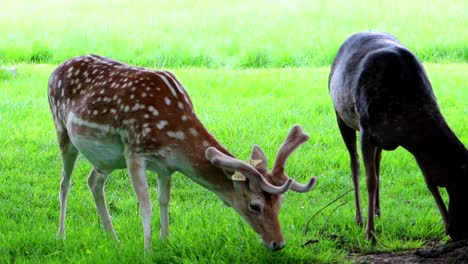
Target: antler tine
[[219, 159], [302, 188], [295, 138]]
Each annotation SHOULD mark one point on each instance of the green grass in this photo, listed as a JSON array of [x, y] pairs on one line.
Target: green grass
[[233, 34], [241, 108], [253, 70]]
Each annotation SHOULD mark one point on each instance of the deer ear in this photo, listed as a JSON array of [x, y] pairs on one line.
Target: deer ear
[[234, 175], [258, 160], [237, 176]]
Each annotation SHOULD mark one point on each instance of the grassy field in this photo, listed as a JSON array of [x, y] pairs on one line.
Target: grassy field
[[233, 34], [253, 70], [236, 105]]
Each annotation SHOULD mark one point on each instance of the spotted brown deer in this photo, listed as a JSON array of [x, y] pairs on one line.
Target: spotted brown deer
[[119, 116], [380, 89]]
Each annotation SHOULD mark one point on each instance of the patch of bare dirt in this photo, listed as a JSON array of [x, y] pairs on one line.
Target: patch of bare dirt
[[456, 252]]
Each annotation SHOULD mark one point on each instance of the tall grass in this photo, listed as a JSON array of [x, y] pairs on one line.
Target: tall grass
[[241, 108], [233, 34]]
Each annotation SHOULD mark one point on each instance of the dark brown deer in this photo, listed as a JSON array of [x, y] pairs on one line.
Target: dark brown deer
[[380, 89], [119, 116]]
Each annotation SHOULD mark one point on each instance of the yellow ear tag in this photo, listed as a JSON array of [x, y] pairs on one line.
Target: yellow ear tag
[[237, 176], [255, 162]]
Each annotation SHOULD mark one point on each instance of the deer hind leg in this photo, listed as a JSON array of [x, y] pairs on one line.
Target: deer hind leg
[[136, 171], [96, 183], [164, 186], [368, 155], [377, 158], [69, 154], [349, 137]]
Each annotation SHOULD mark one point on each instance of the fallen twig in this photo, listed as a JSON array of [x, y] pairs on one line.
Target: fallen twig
[[328, 218], [306, 229], [310, 241]]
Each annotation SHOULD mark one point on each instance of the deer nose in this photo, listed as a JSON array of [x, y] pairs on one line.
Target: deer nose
[[274, 245]]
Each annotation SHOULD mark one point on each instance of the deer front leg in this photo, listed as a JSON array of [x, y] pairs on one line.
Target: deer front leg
[[354, 161], [377, 158], [440, 203], [368, 155], [136, 171], [349, 137], [164, 185], [96, 183]]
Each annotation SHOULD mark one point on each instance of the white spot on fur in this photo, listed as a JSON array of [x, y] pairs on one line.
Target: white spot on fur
[[136, 107], [167, 100], [153, 110], [161, 124], [146, 131], [193, 131], [177, 134]]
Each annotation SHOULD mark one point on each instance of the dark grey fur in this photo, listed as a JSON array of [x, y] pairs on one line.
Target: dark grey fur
[[379, 88]]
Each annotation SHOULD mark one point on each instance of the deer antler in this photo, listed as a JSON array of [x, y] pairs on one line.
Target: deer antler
[[221, 160], [294, 139]]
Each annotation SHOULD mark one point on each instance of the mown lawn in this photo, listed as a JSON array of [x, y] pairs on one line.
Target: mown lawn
[[241, 108], [253, 69]]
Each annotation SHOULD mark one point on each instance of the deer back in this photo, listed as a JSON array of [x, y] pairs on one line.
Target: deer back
[[148, 109], [377, 82]]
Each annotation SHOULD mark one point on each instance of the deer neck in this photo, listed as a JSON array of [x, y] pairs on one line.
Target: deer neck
[[188, 158], [440, 155]]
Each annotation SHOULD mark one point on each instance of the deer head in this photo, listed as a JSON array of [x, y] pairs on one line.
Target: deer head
[[258, 191]]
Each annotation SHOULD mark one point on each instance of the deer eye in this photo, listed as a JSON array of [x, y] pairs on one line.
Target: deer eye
[[255, 208]]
